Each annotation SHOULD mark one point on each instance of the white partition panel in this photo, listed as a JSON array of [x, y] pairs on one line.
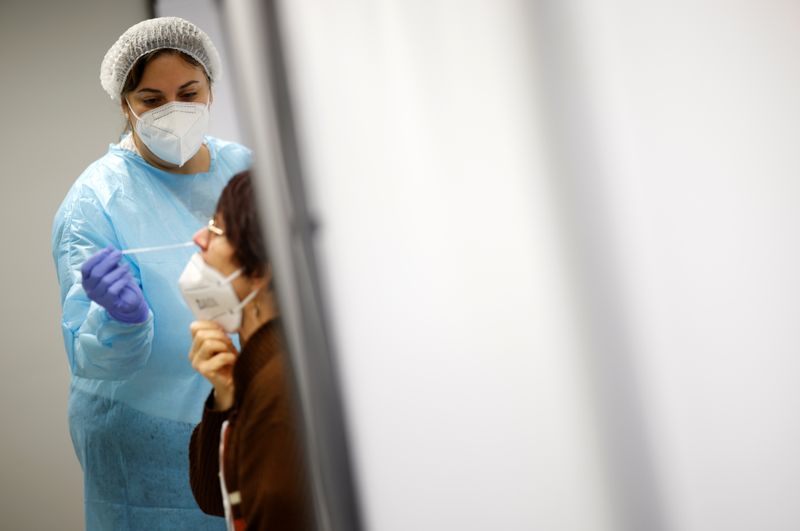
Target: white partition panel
[[558, 245], [698, 105], [449, 298]]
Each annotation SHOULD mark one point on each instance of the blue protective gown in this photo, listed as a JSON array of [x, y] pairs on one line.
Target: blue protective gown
[[134, 397]]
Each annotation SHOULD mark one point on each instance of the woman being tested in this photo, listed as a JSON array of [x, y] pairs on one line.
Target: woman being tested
[[133, 398], [262, 484]]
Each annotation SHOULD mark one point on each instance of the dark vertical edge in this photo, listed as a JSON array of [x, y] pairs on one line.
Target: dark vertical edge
[[311, 354], [324, 391]]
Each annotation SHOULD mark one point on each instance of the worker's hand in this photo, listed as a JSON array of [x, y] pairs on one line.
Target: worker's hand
[[110, 284], [213, 355]]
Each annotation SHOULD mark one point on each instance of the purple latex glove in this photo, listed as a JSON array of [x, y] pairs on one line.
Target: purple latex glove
[[111, 285]]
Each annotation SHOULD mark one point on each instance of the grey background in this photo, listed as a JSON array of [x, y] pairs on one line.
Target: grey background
[[56, 120]]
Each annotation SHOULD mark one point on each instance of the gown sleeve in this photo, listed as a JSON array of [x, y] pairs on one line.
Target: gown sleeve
[[97, 345]]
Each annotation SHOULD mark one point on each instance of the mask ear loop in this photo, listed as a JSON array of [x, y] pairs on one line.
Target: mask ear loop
[[244, 302], [227, 280], [230, 278], [131, 109], [130, 124], [247, 299]]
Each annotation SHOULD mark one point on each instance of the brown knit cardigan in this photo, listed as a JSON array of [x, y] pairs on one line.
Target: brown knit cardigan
[[263, 459]]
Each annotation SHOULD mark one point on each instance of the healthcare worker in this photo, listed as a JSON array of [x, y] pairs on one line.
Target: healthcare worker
[[133, 398]]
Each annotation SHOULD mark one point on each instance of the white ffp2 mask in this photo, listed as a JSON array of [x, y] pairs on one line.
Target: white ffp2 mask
[[211, 296], [173, 132]]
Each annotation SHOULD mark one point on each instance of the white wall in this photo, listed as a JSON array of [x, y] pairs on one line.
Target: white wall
[[56, 120], [452, 309], [694, 108], [676, 170]]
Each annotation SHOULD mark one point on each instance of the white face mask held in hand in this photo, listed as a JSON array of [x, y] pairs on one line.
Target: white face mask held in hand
[[173, 132], [211, 296]]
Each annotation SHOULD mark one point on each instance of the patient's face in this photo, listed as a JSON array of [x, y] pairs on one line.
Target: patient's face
[[217, 252], [215, 248]]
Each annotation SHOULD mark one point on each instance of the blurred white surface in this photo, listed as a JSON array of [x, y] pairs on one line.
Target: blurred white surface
[[700, 115], [442, 266]]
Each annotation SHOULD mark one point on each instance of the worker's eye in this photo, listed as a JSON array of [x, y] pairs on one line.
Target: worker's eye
[[151, 101]]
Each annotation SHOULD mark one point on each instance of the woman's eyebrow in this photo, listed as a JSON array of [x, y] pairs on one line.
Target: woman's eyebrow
[[146, 89]]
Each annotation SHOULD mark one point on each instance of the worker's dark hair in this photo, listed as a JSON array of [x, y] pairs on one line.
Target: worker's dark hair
[[137, 70], [237, 206]]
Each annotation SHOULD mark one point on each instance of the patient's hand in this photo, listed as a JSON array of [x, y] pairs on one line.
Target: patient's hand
[[213, 356]]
